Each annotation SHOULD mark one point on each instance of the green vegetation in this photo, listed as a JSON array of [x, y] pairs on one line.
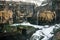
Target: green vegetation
[[19, 28]]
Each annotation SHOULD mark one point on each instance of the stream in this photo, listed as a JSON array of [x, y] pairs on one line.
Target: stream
[[45, 32]]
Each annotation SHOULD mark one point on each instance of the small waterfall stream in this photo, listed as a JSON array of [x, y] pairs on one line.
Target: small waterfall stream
[[44, 33]]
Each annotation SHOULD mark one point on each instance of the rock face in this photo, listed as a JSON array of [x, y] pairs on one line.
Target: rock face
[[47, 17], [6, 16], [2, 5], [19, 10], [23, 11], [57, 36]]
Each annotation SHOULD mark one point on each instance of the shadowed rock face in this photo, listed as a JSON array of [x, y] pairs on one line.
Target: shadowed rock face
[[5, 15], [43, 18], [2, 6], [57, 35], [17, 36], [47, 16], [13, 36]]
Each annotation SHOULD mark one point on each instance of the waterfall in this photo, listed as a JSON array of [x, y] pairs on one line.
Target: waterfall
[[44, 32]]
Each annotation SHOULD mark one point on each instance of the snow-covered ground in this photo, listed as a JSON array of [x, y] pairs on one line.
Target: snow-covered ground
[[45, 31]]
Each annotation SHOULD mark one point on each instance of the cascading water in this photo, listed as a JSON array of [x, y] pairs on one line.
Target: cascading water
[[45, 32]]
